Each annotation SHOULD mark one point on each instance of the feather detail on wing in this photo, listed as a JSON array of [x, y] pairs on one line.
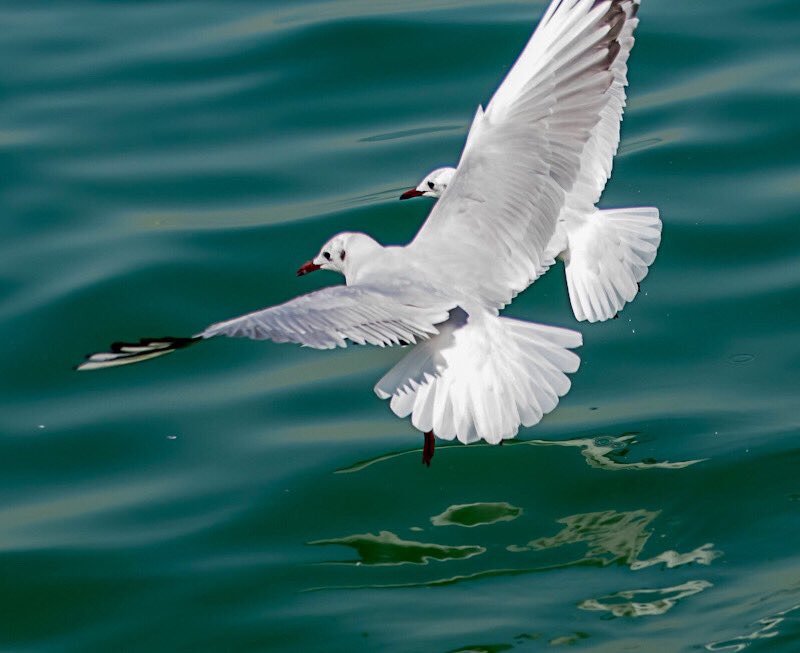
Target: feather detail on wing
[[598, 153], [488, 233], [398, 314], [326, 318]]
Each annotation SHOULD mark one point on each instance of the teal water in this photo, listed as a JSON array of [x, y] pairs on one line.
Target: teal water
[[164, 165]]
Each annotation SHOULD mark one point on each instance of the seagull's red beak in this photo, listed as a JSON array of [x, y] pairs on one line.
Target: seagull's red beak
[[411, 193], [308, 266]]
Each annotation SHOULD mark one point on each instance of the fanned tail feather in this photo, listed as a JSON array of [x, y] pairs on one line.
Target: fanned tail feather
[[125, 353], [481, 378], [608, 255]]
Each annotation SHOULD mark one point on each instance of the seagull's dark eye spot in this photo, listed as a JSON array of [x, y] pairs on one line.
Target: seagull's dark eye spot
[[430, 185], [327, 255], [341, 256]]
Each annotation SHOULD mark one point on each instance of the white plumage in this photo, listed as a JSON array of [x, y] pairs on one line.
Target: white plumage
[[473, 375], [605, 253], [364, 314], [609, 253], [481, 378]]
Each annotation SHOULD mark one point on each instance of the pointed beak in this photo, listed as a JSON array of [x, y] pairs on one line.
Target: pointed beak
[[308, 266], [411, 193]]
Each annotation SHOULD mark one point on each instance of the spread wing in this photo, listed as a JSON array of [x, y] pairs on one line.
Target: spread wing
[[600, 149], [487, 235], [324, 319]]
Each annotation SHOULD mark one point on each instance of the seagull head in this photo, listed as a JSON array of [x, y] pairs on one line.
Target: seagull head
[[433, 185], [334, 254]]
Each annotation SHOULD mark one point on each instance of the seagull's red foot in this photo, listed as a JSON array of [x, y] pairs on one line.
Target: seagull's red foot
[[428, 448]]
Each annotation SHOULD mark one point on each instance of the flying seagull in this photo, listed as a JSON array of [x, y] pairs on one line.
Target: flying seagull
[[606, 253], [470, 375]]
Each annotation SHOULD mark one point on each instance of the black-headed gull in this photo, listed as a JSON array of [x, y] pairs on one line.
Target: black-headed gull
[[472, 375], [606, 253]]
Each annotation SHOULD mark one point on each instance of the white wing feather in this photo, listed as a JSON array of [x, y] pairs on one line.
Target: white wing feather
[[598, 153], [487, 235], [397, 314], [326, 318]]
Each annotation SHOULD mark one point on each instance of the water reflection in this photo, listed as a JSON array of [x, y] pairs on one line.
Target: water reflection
[[470, 515], [653, 139], [767, 628], [703, 555], [483, 648], [741, 359], [568, 640], [386, 548], [618, 537], [644, 602], [443, 582], [559, 640], [408, 133], [599, 453], [611, 537], [363, 464]]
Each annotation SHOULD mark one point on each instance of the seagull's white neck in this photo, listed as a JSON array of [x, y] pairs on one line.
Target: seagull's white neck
[[363, 253]]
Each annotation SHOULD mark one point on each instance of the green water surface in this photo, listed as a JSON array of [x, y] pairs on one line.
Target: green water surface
[[164, 165]]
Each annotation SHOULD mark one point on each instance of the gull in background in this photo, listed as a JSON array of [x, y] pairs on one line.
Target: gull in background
[[606, 252], [470, 375]]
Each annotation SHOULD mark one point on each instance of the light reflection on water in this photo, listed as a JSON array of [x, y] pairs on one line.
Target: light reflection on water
[[386, 548], [597, 452], [766, 628], [645, 602], [610, 537], [470, 515]]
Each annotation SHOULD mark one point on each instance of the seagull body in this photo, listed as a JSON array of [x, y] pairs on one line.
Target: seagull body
[[471, 374]]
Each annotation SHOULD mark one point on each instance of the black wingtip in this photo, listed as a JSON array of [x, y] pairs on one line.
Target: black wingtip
[[165, 342], [123, 353]]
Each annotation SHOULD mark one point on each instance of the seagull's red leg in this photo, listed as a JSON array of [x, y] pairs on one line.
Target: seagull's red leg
[[428, 448]]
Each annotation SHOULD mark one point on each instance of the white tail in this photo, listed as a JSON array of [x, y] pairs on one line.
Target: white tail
[[608, 255], [482, 377]]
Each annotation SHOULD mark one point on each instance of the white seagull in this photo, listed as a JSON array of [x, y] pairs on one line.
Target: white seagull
[[606, 253], [471, 374]]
